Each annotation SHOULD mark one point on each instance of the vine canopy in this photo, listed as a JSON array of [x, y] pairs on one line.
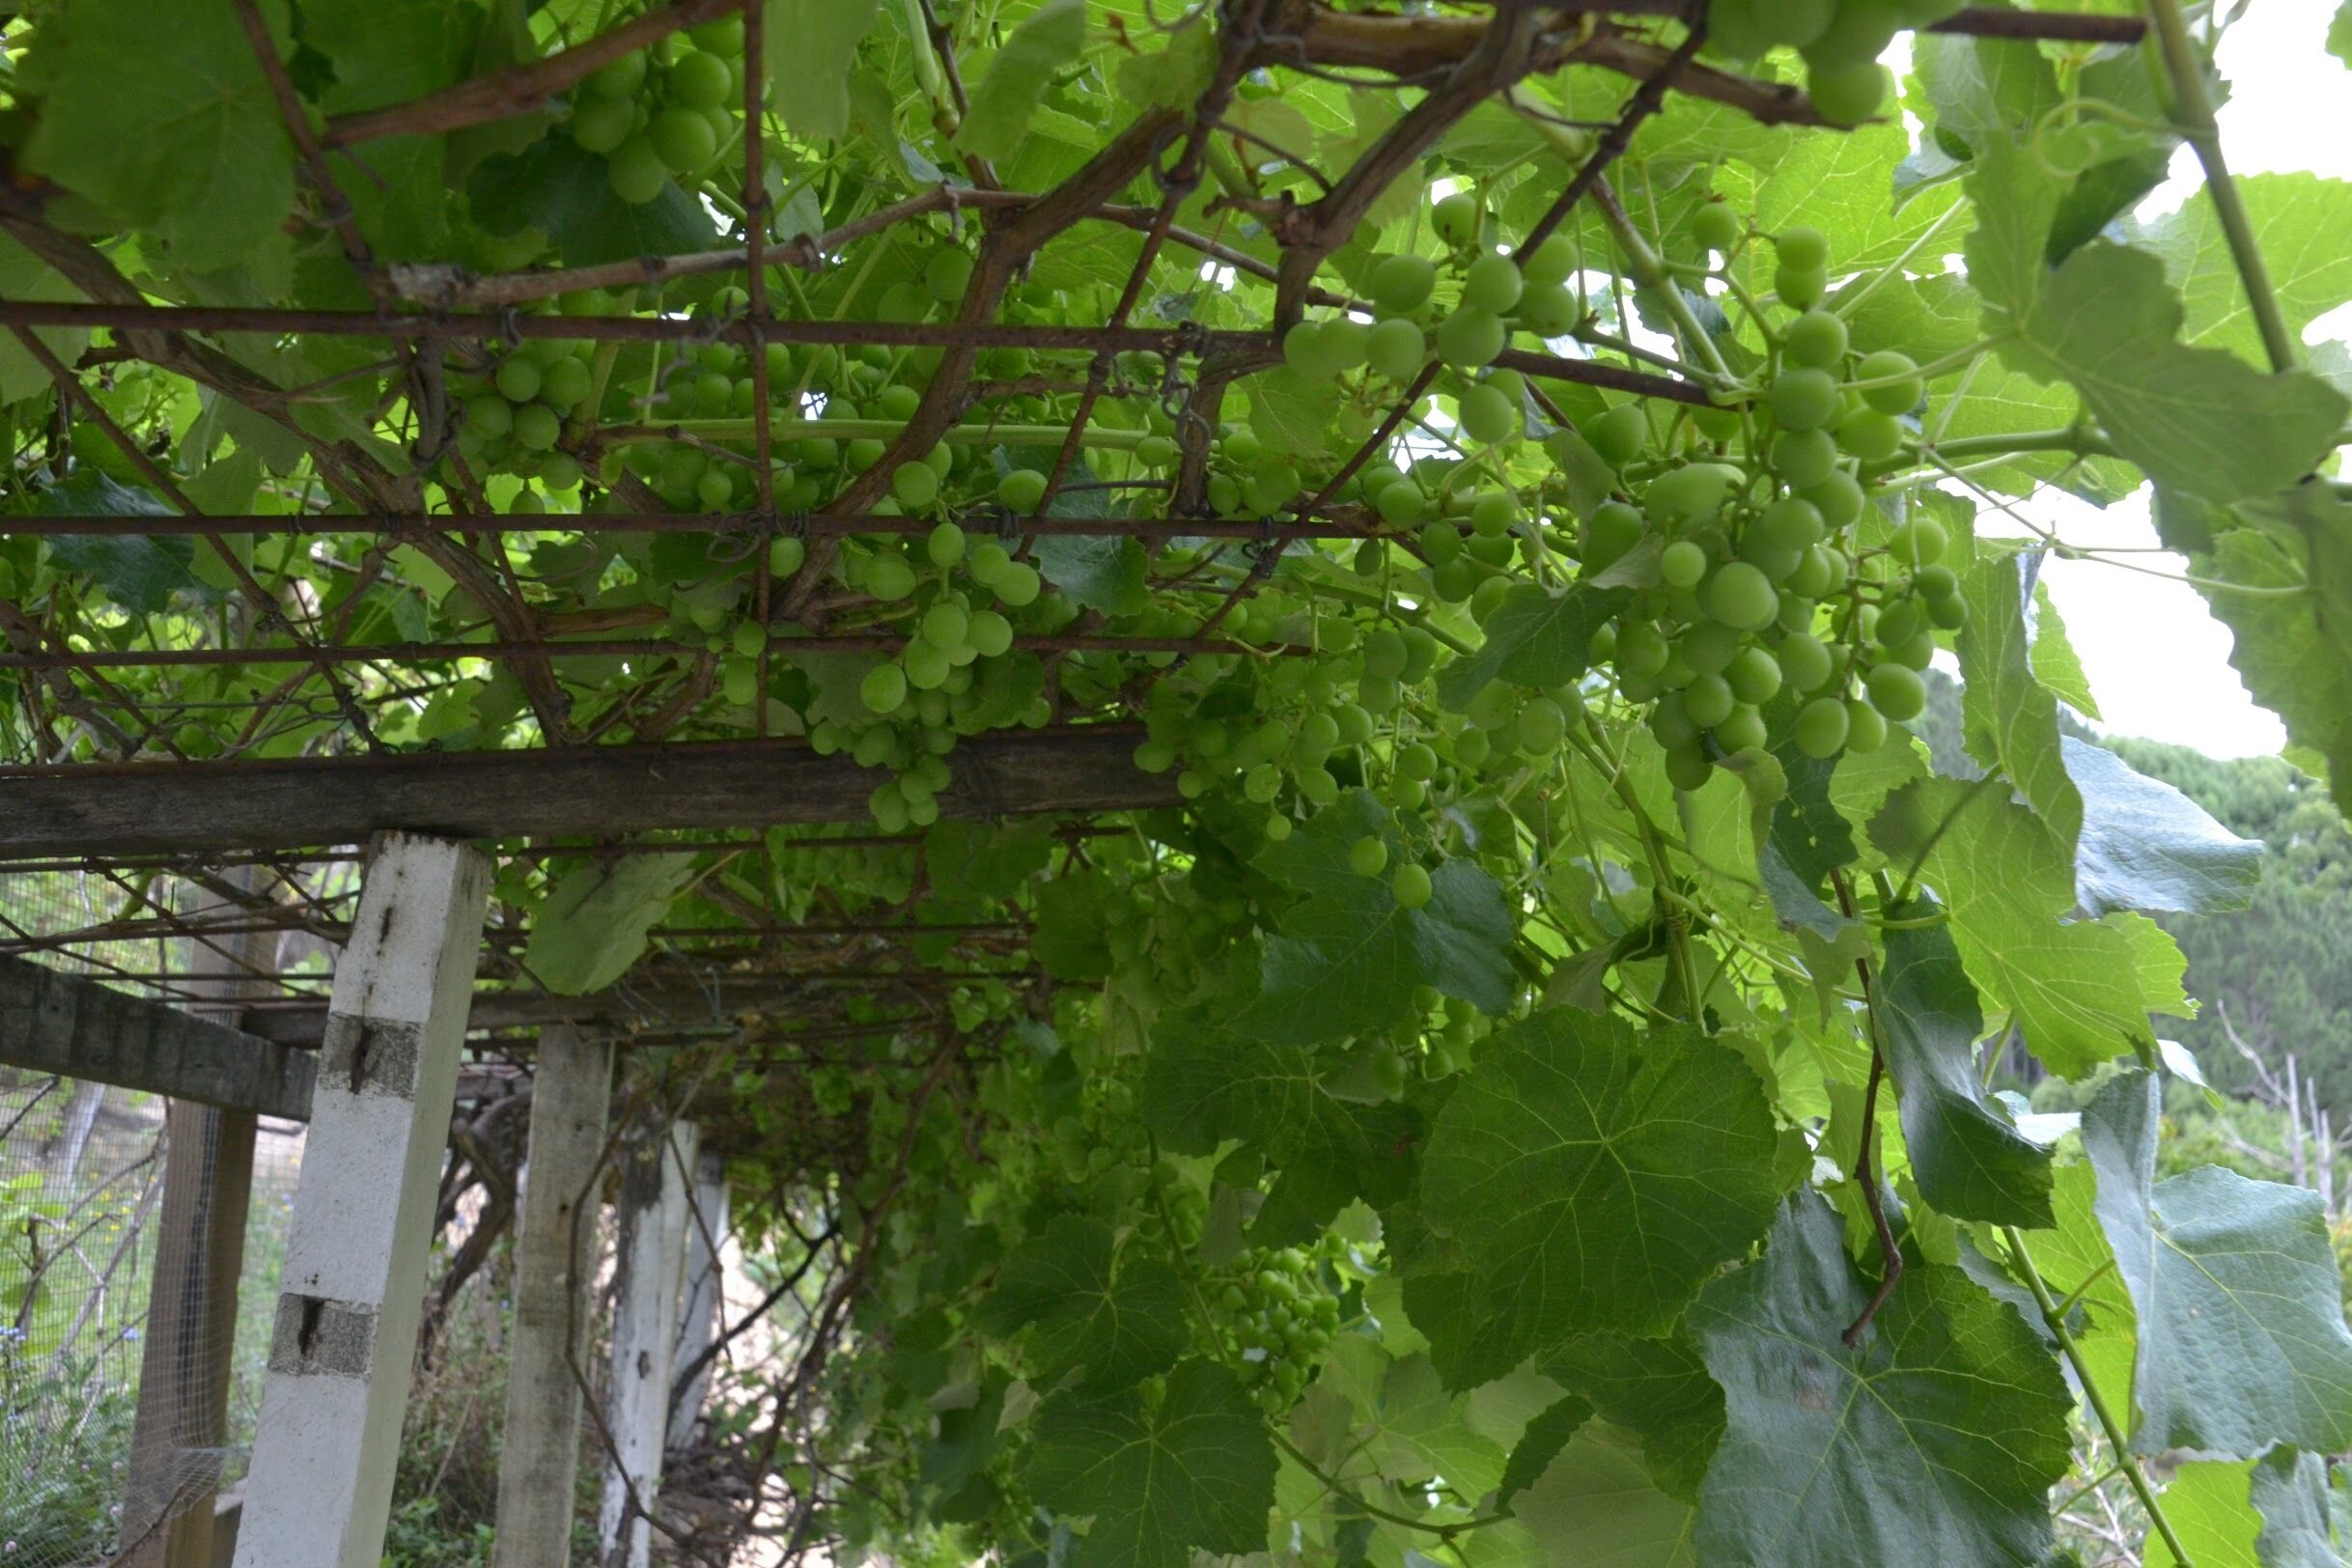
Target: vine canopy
[[1332, 904]]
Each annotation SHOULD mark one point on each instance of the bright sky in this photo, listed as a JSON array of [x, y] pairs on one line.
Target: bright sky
[[2157, 660]]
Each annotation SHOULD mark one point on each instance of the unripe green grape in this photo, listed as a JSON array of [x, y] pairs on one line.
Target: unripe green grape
[[864, 453], [1620, 434], [1021, 489], [1847, 94], [888, 577], [1921, 542], [1683, 563], [1493, 284], [1820, 729], [927, 665], [1469, 337], [1743, 731], [565, 383], [1641, 648], [945, 625], [987, 561], [1692, 493], [1806, 661], [1903, 389], [1273, 484], [1707, 647], [700, 81], [1859, 31], [1754, 675], [1317, 786], [1800, 287], [599, 124], [1865, 726], [1398, 349], [1487, 415], [537, 429], [1805, 459], [1715, 227], [990, 633], [1552, 263], [1803, 398], [1401, 284], [489, 416], [1416, 761], [1456, 218], [1896, 691], [1687, 768], [1548, 310], [1740, 595], [714, 390], [1542, 727], [1410, 887], [715, 489], [1613, 529], [947, 275], [559, 471], [1917, 652], [681, 139], [1934, 582], [1401, 504], [1790, 523], [1486, 597], [1708, 700], [1816, 340], [1019, 585], [1870, 436], [1440, 542], [1671, 722], [1455, 580], [1802, 248], [1494, 512], [883, 690], [1898, 623], [1949, 613], [1302, 351], [1839, 498], [914, 484], [517, 378], [621, 79], [1378, 693]]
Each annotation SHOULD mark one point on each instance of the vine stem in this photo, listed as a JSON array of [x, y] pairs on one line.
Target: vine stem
[[1678, 931], [1865, 1168], [2193, 116], [2054, 1316]]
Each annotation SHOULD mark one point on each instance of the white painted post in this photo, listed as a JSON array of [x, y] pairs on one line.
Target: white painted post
[[555, 1251], [644, 1335], [698, 1320], [321, 1486]]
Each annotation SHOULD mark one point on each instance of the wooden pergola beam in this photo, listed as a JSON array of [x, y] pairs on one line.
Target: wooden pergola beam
[[589, 791], [63, 1023]]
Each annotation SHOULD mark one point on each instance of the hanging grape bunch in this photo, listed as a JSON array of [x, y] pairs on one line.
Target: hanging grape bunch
[[666, 113], [1840, 39]]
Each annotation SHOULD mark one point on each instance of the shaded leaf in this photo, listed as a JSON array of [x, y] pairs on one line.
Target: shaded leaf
[[555, 186], [810, 45], [594, 922], [1046, 40], [2145, 846], [1058, 1289]]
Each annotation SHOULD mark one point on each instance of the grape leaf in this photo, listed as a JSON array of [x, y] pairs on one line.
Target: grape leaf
[[2242, 1335], [384, 52], [1594, 1505], [1969, 1158], [1205, 1083], [139, 571], [1195, 1471], [2290, 1492], [24, 275], [2010, 719], [555, 186], [594, 922], [1539, 1444], [2146, 845], [1933, 1442], [810, 45], [2298, 221], [1534, 638], [1102, 572], [2339, 33], [1656, 1388], [1422, 1432], [2072, 985], [2200, 420], [1593, 1178], [1291, 415], [172, 129], [1047, 39], [2208, 1506], [2055, 662], [1347, 957], [1058, 1289]]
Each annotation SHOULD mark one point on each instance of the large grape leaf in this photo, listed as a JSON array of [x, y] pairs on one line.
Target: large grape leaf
[[2290, 1492], [1594, 1506], [2198, 420], [2074, 987], [1058, 1289], [1969, 1158], [1539, 1444], [1195, 1470], [1046, 40], [2242, 1335], [1103, 572], [810, 46], [1534, 638], [2145, 846], [1346, 957], [171, 128], [595, 922], [141, 572], [1205, 1083], [1656, 1388], [2298, 221], [1591, 1177], [384, 52], [565, 192], [1933, 1442], [2009, 719]]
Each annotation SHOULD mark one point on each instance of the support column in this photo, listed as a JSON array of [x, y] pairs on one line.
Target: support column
[[698, 1320], [652, 1222], [321, 1486], [555, 1251], [180, 1430]]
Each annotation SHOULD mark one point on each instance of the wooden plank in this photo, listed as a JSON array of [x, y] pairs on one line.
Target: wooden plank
[[630, 1005], [54, 1022], [595, 791]]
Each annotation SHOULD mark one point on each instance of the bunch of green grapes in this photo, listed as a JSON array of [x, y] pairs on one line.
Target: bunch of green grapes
[[666, 112], [1840, 41], [1753, 582], [512, 419], [1277, 1315]]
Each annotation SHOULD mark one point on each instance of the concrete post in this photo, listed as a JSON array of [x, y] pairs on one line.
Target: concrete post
[[180, 1430], [698, 1320], [653, 1224], [321, 1486], [555, 1251]]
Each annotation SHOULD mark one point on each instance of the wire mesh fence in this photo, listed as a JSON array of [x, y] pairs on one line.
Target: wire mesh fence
[[113, 1277]]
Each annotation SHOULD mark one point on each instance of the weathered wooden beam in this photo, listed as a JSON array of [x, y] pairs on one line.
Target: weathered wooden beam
[[63, 1023], [630, 1005], [299, 803]]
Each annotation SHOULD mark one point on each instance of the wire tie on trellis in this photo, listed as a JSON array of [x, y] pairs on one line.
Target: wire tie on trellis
[[510, 325], [739, 533], [1264, 550]]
